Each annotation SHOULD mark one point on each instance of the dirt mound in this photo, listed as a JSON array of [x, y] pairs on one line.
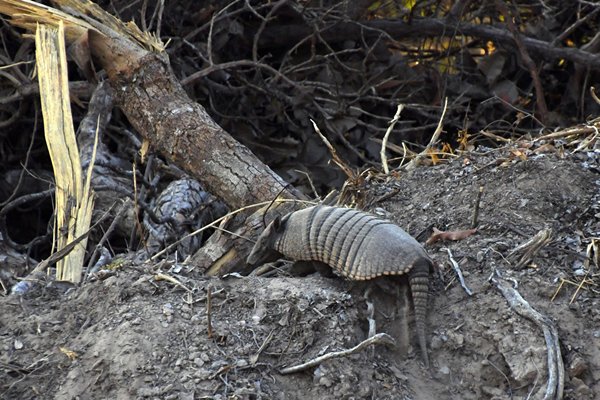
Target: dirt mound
[[132, 336]]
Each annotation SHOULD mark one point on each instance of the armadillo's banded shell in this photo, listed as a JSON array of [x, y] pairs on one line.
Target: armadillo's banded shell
[[356, 245]]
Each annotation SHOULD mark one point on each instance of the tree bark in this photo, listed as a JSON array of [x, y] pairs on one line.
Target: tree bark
[[181, 129], [157, 106]]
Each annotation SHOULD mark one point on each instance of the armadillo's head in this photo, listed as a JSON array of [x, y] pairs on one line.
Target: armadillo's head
[[264, 248]]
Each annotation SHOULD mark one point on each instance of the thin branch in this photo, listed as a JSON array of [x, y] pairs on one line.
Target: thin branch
[[556, 370], [393, 122], [380, 338]]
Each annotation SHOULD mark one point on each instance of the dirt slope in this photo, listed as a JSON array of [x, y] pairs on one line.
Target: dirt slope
[[130, 336]]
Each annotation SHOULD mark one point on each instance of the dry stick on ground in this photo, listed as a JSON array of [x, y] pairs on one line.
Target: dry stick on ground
[[380, 338], [474, 220], [254, 357], [164, 277], [458, 271], [592, 249], [208, 312], [556, 370], [530, 248]]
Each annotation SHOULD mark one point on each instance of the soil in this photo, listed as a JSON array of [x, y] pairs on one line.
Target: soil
[[129, 334]]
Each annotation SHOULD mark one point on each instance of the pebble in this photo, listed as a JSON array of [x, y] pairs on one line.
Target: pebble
[[436, 343], [444, 374], [577, 367], [324, 381], [581, 389]]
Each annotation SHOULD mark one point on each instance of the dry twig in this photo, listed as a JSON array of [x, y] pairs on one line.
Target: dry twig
[[556, 370], [164, 277], [458, 271], [336, 158], [531, 248], [208, 312], [474, 220], [393, 122], [434, 138], [380, 338]]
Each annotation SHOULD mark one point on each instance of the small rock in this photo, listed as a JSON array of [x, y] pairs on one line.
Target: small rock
[[148, 392], [218, 364], [577, 367], [187, 396], [582, 390], [18, 344], [198, 362], [480, 256], [436, 343], [320, 372], [241, 363], [579, 272], [522, 357], [444, 375], [202, 374], [494, 392], [324, 381], [398, 374], [457, 339], [167, 309]]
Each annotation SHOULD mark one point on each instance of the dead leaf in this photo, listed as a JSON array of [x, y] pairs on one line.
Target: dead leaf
[[545, 148], [519, 154], [449, 235], [69, 353]]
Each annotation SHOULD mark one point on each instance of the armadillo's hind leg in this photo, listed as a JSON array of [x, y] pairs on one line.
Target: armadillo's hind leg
[[419, 287]]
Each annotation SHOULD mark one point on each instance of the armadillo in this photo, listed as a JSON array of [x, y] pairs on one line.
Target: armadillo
[[356, 245]]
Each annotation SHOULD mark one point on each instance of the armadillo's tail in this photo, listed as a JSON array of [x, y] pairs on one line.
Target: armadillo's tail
[[419, 287]]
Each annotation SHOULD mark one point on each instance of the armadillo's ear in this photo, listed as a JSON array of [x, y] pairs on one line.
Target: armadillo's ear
[[279, 223]]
